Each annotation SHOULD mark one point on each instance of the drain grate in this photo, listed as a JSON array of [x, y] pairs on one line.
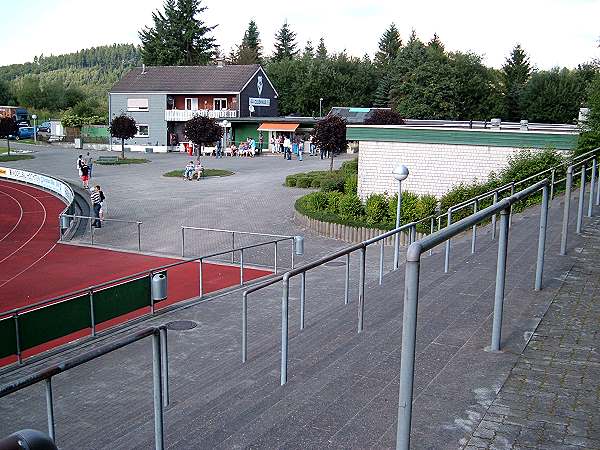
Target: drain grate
[[181, 325]]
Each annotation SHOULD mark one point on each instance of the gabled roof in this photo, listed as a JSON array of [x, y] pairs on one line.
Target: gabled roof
[[182, 79], [353, 116]]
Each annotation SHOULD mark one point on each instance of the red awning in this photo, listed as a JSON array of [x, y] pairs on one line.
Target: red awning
[[273, 126]]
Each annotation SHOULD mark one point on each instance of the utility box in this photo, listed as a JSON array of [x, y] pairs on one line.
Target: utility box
[[299, 245], [78, 143], [524, 125], [159, 286]]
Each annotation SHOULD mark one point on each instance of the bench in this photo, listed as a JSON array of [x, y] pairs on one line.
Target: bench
[[107, 159]]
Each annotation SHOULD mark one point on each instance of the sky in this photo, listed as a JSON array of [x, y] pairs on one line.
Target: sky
[[560, 33]]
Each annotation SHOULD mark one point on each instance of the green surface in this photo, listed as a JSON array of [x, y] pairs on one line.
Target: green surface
[[121, 299], [120, 161], [525, 139], [12, 156], [244, 130], [53, 321], [207, 173], [8, 339], [96, 131]]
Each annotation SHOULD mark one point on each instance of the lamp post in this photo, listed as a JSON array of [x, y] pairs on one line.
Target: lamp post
[[321, 107], [33, 116], [400, 173], [224, 124]]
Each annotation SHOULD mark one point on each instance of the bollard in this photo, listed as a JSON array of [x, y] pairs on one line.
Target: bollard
[[592, 186], [447, 256], [284, 329], [347, 281], [500, 279], [159, 440], [302, 295], [164, 358], [565, 223], [361, 289], [50, 408], [539, 267], [474, 235], [407, 357], [581, 201]]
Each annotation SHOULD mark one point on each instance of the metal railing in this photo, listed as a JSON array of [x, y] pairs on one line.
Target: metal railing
[[15, 313], [233, 234], [160, 377], [93, 219]]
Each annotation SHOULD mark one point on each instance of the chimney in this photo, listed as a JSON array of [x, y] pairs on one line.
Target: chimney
[[220, 62], [143, 69]]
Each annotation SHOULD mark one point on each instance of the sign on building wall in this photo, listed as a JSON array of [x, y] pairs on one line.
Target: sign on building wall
[[255, 101]]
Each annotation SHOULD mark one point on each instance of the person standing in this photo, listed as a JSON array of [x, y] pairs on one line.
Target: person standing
[[300, 148], [252, 147], [85, 177], [79, 164], [96, 197], [219, 148], [287, 148], [261, 141], [89, 161]]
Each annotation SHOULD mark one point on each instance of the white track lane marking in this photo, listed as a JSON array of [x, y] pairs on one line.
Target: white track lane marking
[[20, 216], [38, 230]]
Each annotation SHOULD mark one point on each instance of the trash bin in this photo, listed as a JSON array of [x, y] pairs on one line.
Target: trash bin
[[65, 222], [159, 287], [78, 143], [299, 245]]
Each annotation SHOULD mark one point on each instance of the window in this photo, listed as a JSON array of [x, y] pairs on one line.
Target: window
[[142, 131], [137, 104], [220, 103], [191, 104]]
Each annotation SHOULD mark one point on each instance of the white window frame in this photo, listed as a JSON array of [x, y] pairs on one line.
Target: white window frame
[[192, 101], [220, 99], [139, 107], [138, 132]]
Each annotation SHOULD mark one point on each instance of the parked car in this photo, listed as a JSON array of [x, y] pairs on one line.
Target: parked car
[[25, 133], [44, 127]]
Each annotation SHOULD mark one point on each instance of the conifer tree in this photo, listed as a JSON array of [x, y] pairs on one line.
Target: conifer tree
[[321, 49], [389, 44], [250, 50], [517, 71], [309, 51], [285, 43], [436, 43]]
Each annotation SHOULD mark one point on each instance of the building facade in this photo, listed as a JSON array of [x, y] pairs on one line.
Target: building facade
[[162, 98]]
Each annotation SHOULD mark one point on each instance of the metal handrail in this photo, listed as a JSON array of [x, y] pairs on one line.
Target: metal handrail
[[160, 375], [93, 219], [74, 216]]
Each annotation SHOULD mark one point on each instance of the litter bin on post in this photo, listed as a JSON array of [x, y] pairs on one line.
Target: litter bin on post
[[159, 287], [299, 245]]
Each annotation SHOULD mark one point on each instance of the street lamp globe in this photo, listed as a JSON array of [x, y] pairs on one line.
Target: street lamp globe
[[400, 172], [33, 116]]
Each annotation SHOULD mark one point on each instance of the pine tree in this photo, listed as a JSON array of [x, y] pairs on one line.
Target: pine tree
[[517, 71], [178, 36], [285, 43], [389, 45], [382, 94], [436, 43], [309, 51], [250, 50], [321, 49]]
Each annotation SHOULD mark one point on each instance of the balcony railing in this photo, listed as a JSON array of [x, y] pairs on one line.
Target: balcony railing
[[182, 115]]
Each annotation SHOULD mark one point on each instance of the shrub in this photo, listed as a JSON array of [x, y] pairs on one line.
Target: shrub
[[351, 207], [333, 201], [350, 167], [526, 163], [332, 182], [290, 180], [318, 201], [303, 182], [376, 209], [351, 184], [315, 182]]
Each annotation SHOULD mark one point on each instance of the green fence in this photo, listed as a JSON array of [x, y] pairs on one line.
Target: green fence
[[63, 318]]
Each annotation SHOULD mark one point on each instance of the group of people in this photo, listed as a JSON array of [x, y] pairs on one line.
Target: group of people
[[193, 169], [294, 145], [84, 168]]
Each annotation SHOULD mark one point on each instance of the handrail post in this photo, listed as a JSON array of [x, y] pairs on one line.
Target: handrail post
[[510, 215], [182, 242], [241, 266], [139, 226], [381, 250], [92, 315], [447, 256], [500, 279], [361, 289], [159, 440], [18, 339], [474, 236], [592, 186], [539, 268], [275, 259], [284, 329], [50, 409], [597, 190], [165, 364], [302, 298], [565, 223], [581, 200], [413, 234], [60, 233], [150, 274], [431, 230], [91, 232], [494, 217], [407, 357], [292, 255], [232, 247], [244, 326], [347, 280], [200, 276], [552, 178]]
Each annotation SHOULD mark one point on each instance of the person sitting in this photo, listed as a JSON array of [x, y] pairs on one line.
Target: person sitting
[[188, 173], [198, 170]]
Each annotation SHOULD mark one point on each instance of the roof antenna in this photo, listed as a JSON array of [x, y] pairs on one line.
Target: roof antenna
[[143, 69]]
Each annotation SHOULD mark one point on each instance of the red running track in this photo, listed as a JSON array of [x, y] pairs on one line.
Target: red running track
[[34, 267]]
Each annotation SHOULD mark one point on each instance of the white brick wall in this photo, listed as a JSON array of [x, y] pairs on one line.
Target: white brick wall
[[434, 168]]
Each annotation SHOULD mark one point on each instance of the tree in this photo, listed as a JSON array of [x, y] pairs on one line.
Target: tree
[[384, 117], [389, 45], [250, 50], [6, 96], [123, 127], [203, 130], [309, 51], [589, 138], [285, 43], [321, 49], [329, 135], [8, 127], [517, 71], [179, 36]]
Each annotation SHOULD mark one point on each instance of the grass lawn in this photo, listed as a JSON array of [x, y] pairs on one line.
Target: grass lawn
[[12, 157], [120, 161], [207, 173], [29, 141]]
